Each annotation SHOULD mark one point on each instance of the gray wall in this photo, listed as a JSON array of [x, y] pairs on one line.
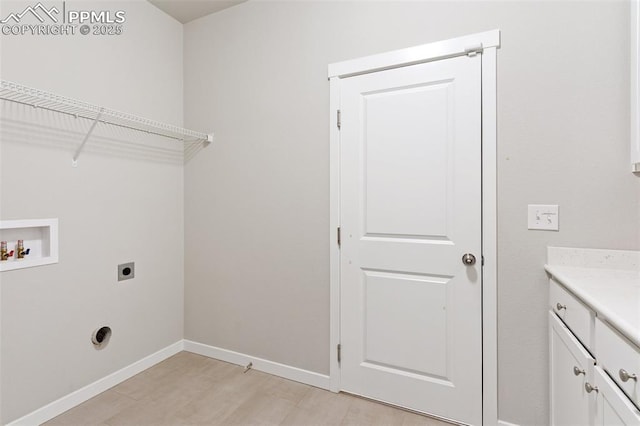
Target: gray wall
[[256, 219], [256, 205], [124, 202]]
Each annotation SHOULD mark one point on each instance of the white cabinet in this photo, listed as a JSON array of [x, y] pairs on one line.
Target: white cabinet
[[620, 359], [582, 390], [612, 407], [571, 367]]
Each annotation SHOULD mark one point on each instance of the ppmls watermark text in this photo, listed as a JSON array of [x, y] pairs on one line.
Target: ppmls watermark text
[[57, 20]]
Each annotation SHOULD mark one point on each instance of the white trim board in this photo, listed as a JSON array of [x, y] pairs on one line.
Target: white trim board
[[489, 237], [79, 396], [488, 42], [635, 85], [334, 223], [415, 55], [76, 398], [260, 364]]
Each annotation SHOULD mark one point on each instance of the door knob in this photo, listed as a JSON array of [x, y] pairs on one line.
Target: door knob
[[469, 259], [577, 371]]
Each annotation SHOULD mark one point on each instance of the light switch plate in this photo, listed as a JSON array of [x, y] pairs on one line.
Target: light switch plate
[[543, 216]]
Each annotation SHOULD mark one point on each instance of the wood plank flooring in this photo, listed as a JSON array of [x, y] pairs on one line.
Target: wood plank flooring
[[189, 389]]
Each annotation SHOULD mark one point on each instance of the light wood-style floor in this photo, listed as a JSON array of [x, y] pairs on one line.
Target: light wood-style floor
[[189, 389]]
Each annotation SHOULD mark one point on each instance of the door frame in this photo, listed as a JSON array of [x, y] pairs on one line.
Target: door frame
[[485, 44]]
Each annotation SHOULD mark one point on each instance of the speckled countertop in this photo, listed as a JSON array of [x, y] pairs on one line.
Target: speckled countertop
[[608, 281]]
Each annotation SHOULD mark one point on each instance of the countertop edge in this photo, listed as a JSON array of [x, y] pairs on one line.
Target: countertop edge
[[602, 312]]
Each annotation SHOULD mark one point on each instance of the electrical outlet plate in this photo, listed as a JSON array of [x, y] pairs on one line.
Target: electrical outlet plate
[[126, 271], [543, 217]]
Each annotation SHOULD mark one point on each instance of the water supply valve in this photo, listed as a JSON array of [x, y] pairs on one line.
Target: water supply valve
[[4, 254], [21, 252]]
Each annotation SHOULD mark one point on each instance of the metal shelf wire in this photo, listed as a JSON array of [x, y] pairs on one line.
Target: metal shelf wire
[[18, 93]]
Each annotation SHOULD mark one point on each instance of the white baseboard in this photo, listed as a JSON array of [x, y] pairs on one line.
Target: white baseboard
[[291, 373], [75, 398]]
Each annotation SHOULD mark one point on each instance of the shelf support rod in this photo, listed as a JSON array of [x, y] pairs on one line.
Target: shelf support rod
[[74, 162]]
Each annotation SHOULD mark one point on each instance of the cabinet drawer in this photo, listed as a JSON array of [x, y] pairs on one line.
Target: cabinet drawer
[[613, 407], [616, 355], [573, 313]]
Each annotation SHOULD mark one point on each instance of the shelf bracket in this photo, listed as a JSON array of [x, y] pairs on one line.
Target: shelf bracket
[[74, 162]]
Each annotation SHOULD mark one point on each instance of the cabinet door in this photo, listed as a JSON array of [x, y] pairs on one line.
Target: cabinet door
[[613, 407], [616, 355], [571, 367]]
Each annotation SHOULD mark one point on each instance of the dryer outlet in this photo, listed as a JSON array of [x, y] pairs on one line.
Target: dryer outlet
[[126, 271]]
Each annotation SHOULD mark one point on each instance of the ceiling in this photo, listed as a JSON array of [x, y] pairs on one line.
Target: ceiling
[[188, 10]]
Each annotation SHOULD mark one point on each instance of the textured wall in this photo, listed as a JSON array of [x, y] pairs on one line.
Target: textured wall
[[256, 205], [123, 203]]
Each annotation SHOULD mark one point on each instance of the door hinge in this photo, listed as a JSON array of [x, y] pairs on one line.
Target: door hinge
[[482, 257], [473, 50], [339, 353], [339, 119], [338, 236]]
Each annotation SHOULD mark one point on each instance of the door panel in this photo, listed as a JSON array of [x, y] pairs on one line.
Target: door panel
[[417, 161], [419, 308], [410, 208]]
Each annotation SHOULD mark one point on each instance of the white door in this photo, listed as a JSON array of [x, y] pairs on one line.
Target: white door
[[410, 181]]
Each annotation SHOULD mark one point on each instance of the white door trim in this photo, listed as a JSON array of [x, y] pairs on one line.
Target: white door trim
[[415, 55], [488, 42]]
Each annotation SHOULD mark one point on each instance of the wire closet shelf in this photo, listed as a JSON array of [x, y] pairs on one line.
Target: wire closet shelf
[[18, 93]]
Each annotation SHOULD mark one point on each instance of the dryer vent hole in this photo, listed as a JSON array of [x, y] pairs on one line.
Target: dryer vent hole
[[101, 337]]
